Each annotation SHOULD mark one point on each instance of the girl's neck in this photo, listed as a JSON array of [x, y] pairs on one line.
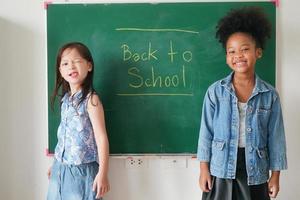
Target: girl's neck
[[243, 79], [243, 85], [74, 89]]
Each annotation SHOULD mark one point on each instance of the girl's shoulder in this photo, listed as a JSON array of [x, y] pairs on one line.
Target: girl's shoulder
[[93, 99], [264, 86], [224, 83], [64, 97]]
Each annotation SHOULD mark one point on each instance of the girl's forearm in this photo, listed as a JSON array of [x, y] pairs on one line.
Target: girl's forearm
[[275, 174], [103, 153], [204, 166]]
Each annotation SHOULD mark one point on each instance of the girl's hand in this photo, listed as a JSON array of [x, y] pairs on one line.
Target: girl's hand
[[49, 172], [101, 185], [205, 178], [274, 184]]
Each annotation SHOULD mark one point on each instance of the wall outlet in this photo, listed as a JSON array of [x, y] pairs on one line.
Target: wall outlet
[[136, 163]]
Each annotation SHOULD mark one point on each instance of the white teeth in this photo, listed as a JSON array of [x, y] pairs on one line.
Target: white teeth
[[240, 63]]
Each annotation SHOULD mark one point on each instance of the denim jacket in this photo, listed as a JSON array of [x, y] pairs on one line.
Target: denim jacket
[[219, 132]]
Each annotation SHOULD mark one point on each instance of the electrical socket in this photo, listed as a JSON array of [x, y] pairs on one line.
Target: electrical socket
[[136, 163]]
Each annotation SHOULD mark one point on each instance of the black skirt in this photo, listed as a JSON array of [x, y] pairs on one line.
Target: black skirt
[[236, 189]]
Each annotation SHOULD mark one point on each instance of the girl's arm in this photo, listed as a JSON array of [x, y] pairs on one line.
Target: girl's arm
[[276, 145], [276, 137], [96, 114], [206, 129], [204, 143]]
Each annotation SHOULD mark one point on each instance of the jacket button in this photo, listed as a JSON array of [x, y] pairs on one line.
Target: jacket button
[[249, 129], [250, 149]]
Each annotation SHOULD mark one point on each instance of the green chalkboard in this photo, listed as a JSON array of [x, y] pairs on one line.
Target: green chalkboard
[[153, 64]]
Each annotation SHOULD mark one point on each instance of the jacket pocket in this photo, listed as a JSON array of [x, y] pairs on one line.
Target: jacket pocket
[[262, 160], [217, 157], [263, 110], [263, 115]]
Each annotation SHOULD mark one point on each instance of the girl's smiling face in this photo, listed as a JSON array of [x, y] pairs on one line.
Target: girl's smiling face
[[242, 53], [73, 68]]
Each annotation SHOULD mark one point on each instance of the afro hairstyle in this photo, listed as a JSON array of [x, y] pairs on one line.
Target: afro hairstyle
[[250, 20]]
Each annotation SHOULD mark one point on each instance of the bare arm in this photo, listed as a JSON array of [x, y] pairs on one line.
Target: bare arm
[[96, 114]]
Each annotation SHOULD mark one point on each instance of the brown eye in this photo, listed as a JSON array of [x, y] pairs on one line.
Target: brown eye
[[230, 52], [64, 64], [245, 50]]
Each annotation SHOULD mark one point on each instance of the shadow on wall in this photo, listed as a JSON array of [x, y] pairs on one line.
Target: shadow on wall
[[18, 110]]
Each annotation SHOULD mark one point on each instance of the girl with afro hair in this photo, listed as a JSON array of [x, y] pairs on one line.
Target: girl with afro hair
[[241, 139]]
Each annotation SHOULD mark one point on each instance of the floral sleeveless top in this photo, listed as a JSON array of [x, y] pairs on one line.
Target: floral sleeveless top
[[76, 142]]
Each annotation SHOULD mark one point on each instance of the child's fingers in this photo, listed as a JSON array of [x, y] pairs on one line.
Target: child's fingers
[[94, 186], [97, 191], [206, 189], [105, 189], [204, 186], [102, 191], [209, 183], [205, 183], [273, 191]]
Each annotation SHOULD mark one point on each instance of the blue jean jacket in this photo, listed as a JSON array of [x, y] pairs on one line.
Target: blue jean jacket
[[219, 132]]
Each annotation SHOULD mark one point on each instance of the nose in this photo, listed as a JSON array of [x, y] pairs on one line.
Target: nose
[[238, 54], [72, 65]]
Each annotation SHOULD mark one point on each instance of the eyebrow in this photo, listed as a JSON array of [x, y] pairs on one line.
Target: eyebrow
[[246, 44], [77, 58]]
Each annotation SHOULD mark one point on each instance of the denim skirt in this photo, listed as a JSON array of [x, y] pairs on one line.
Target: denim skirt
[[236, 189], [72, 182]]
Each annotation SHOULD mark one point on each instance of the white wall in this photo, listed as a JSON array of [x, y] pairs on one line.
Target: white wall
[[23, 117], [288, 75]]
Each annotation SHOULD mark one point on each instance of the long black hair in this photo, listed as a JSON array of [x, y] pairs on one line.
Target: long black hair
[[61, 83]]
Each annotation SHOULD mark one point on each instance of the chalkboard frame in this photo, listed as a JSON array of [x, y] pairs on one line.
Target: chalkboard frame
[[53, 117]]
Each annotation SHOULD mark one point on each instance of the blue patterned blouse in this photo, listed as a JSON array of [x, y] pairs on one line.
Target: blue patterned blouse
[[76, 142]]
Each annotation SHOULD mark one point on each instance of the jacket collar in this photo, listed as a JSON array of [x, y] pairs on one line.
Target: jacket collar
[[259, 87]]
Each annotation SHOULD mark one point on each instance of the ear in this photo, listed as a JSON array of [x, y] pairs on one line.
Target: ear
[[90, 67], [259, 52]]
